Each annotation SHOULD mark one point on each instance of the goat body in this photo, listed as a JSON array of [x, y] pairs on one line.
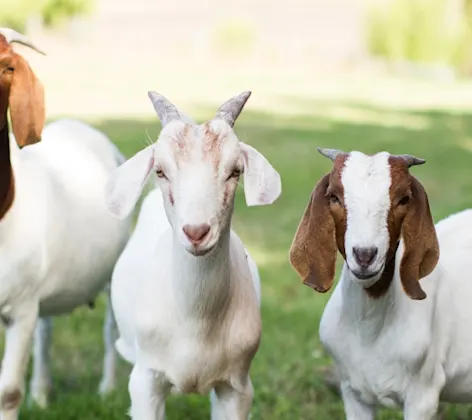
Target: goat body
[[58, 245], [195, 321], [395, 351]]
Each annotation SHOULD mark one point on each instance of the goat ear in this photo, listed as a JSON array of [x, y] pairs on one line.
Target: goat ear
[[262, 183], [126, 183], [26, 102], [313, 251], [421, 248]]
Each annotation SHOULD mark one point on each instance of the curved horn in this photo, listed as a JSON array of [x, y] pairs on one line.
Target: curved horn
[[411, 160], [13, 36], [330, 153], [165, 110], [231, 109]]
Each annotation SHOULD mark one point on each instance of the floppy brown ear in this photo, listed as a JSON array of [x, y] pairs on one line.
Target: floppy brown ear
[[421, 248], [313, 251], [26, 102]]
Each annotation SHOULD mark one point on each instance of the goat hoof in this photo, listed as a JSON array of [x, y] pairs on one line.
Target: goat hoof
[[106, 388], [38, 399], [11, 399]]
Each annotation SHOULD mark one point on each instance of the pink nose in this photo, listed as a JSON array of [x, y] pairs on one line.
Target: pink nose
[[196, 233]]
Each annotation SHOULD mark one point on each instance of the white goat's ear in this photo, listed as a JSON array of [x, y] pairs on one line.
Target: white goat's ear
[[262, 183], [126, 183]]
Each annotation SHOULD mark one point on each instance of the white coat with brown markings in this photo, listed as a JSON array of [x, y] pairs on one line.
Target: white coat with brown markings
[[58, 245], [185, 292], [396, 341]]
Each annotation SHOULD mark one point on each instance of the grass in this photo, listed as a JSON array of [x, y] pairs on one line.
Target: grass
[[286, 371]]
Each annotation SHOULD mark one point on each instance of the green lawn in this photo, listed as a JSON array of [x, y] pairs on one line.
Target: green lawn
[[286, 371]]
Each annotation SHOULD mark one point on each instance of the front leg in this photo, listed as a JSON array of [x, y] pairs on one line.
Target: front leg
[[110, 335], [18, 340], [422, 404], [40, 383], [148, 395], [354, 407], [228, 403]]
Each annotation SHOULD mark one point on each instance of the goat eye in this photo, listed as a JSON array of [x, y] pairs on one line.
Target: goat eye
[[161, 174], [333, 199], [235, 174], [404, 201]]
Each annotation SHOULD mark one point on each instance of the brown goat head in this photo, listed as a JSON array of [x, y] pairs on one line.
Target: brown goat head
[[362, 208], [20, 91]]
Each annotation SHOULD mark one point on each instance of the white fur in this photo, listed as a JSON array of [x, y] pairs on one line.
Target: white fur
[[58, 247], [188, 323], [399, 352], [366, 181]]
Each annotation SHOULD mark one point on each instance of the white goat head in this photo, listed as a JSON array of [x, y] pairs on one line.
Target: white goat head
[[362, 207], [198, 168]]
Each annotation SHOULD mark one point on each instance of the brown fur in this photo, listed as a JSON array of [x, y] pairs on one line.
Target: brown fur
[[23, 94], [323, 226], [413, 221], [26, 103], [421, 247], [212, 146], [313, 251]]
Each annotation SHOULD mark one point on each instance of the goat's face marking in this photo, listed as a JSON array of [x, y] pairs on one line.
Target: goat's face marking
[[362, 208], [198, 169], [366, 181]]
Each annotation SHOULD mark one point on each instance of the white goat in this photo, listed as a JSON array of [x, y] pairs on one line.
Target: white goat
[[58, 244], [393, 343], [185, 292]]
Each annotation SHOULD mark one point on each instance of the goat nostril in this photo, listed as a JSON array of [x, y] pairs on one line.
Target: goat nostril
[[196, 233], [365, 256]]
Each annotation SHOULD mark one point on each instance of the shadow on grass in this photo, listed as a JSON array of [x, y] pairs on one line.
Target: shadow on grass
[[285, 374]]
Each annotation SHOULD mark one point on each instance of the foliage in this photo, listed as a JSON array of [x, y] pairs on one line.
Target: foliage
[[424, 31], [15, 13], [56, 10]]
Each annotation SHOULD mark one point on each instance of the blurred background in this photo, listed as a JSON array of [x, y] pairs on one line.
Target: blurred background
[[377, 75]]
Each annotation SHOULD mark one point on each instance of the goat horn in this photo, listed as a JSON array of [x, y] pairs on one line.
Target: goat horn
[[165, 110], [13, 36], [411, 160], [330, 153], [231, 109]]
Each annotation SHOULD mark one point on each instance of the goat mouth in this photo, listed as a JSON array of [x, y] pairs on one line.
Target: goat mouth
[[201, 252], [366, 276]]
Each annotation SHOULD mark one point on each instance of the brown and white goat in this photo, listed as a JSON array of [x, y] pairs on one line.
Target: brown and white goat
[[58, 246], [395, 340]]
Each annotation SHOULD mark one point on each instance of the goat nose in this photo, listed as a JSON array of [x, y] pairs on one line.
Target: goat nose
[[196, 233], [365, 256]]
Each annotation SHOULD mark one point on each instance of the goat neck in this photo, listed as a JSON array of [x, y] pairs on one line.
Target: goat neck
[[202, 284], [370, 311]]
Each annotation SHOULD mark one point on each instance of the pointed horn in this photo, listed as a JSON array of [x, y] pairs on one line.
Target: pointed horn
[[165, 110], [231, 109], [411, 160], [13, 36], [330, 153]]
